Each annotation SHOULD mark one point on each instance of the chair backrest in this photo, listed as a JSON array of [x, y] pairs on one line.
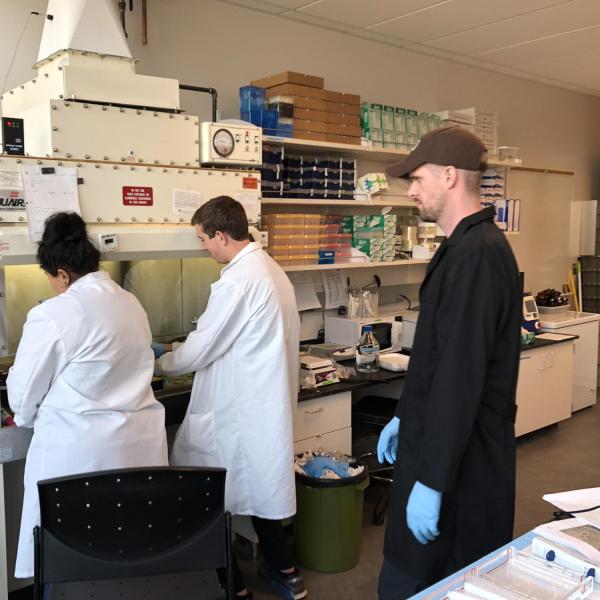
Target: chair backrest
[[131, 523]]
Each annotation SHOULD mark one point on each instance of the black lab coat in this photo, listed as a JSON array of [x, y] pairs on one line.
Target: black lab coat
[[457, 409]]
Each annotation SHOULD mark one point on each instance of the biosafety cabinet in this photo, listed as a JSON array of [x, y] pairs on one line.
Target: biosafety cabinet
[[136, 158], [118, 145], [136, 164]]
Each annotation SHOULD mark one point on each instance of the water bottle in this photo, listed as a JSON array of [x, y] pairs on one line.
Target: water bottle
[[367, 351]]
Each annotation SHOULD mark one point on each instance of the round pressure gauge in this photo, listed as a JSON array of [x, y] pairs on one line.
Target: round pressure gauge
[[223, 143]]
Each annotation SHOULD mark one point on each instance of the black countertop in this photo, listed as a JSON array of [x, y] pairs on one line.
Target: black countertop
[[355, 381], [541, 343], [176, 398]]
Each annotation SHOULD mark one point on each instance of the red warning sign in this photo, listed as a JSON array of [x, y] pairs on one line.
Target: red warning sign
[[137, 196], [249, 183]]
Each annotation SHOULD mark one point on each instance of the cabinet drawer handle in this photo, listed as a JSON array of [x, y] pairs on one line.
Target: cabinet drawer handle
[[525, 357], [314, 412]]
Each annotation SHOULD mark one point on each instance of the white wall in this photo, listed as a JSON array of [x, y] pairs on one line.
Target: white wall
[[211, 43], [215, 44]]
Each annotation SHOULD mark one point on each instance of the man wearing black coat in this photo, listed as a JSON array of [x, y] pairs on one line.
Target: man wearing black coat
[[452, 440]]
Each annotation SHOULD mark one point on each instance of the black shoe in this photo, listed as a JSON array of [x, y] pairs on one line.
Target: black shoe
[[288, 585]]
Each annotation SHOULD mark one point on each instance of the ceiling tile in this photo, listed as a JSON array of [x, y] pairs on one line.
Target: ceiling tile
[[267, 7], [313, 20], [291, 4], [563, 45], [525, 28], [359, 13], [455, 16]]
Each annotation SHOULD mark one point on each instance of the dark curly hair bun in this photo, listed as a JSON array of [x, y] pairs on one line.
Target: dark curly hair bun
[[66, 227], [65, 245]]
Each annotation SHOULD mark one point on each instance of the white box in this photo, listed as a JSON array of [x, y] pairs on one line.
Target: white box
[[77, 75]]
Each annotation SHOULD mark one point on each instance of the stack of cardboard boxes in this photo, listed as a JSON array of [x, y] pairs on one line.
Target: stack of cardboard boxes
[[318, 114], [375, 235], [301, 239]]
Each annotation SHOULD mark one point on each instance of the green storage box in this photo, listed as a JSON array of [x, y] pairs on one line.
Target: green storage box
[[412, 121], [400, 120], [328, 522], [388, 118], [370, 116]]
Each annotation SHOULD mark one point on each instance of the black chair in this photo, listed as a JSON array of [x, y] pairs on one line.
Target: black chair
[[369, 416], [132, 523]]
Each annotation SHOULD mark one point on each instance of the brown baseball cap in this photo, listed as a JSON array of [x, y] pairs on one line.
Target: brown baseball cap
[[448, 146]]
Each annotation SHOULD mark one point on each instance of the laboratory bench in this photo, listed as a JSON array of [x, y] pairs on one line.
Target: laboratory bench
[[322, 419]]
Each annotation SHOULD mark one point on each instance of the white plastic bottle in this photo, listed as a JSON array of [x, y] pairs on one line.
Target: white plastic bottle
[[367, 351]]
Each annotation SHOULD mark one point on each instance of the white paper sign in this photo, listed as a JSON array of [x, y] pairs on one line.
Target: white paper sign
[[10, 180], [250, 203], [48, 193], [335, 288], [186, 201], [306, 296]]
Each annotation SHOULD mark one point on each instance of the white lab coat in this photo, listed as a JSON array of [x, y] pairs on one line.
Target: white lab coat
[[81, 379], [245, 355]]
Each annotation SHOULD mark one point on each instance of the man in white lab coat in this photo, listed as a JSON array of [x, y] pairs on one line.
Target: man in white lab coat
[[245, 355]]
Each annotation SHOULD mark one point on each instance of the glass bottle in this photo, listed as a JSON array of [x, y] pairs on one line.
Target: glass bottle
[[367, 351]]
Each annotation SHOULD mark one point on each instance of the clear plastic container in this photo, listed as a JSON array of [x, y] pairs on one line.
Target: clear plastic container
[[516, 575]]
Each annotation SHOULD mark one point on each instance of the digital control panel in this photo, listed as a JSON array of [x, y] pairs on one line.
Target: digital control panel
[[13, 136]]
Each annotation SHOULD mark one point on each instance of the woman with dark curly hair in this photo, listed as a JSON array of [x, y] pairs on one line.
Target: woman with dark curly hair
[[82, 373]]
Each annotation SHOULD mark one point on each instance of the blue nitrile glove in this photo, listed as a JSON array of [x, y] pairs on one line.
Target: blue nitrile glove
[[387, 446], [423, 512], [158, 349], [318, 464]]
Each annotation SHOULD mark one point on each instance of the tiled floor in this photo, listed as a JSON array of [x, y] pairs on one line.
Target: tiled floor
[[562, 457]]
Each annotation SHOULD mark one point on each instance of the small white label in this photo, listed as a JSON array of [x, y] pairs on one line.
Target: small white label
[[186, 202]]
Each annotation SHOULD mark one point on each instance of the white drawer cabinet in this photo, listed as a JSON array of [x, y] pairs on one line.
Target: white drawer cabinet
[[544, 387], [340, 440], [322, 415]]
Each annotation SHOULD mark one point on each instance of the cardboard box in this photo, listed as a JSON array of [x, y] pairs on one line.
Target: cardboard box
[[307, 135], [342, 119], [338, 107], [293, 89], [343, 139], [342, 98], [312, 126], [302, 102], [310, 115], [290, 77], [340, 129]]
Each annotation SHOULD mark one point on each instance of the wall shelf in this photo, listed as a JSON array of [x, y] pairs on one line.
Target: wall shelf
[[357, 151], [368, 265], [379, 203]]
